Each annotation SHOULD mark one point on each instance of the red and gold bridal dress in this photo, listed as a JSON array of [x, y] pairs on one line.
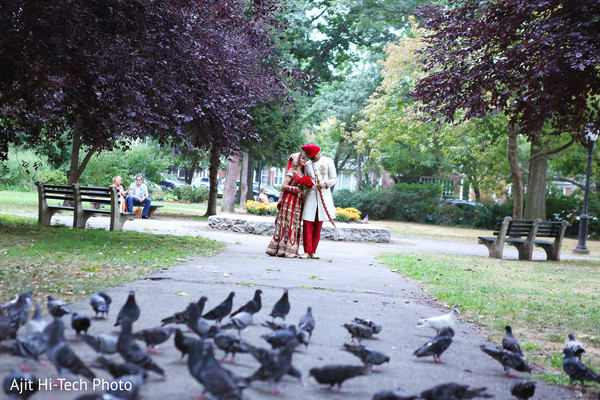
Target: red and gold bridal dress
[[288, 223]]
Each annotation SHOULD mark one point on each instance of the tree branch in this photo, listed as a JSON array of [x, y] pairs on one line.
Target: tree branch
[[547, 153]]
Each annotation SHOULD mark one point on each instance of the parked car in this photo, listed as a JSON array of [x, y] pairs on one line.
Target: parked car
[[207, 186], [170, 183], [271, 192]]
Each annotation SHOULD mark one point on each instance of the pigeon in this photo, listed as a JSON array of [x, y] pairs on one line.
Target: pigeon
[[252, 306], [153, 337], [453, 391], [102, 343], [509, 342], [181, 342], [523, 389], [336, 374], [239, 322], [371, 324], [182, 317], [17, 310], [35, 323], [127, 387], [60, 354], [393, 395], [436, 346], [220, 311], [203, 366], [359, 331], [131, 352], [56, 307], [129, 310], [29, 347], [269, 357], [274, 326], [367, 355], [7, 328], [507, 358], [272, 369], [196, 323], [440, 322], [307, 323], [575, 346], [577, 370], [80, 323], [281, 307], [117, 370], [20, 386], [229, 344], [100, 302], [280, 337]]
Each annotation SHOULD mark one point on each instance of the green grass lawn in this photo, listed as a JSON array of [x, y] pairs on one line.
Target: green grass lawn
[[73, 263]]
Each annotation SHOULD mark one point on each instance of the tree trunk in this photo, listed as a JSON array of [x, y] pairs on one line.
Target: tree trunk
[[358, 172], [250, 179], [515, 171], [535, 206], [213, 170], [244, 179], [76, 169], [229, 190]]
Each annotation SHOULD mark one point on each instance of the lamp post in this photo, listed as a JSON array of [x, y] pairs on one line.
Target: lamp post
[[592, 135]]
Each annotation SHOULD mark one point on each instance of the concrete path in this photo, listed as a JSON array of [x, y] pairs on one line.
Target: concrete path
[[347, 282]]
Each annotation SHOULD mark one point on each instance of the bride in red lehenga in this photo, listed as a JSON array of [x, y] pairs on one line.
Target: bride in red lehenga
[[288, 223]]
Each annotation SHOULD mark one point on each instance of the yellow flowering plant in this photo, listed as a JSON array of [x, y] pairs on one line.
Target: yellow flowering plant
[[254, 207], [347, 214]]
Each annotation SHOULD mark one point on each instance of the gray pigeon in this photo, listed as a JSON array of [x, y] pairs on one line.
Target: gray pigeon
[[102, 343], [220, 311], [20, 386], [575, 346], [100, 302], [56, 307], [393, 395], [359, 331], [336, 374], [7, 329], [577, 370], [507, 358], [453, 391], [35, 323], [80, 323], [282, 307], [239, 322], [129, 310], [29, 347], [229, 344], [153, 337], [307, 323], [275, 367], [131, 352], [371, 324], [509, 342], [117, 370], [367, 355], [17, 310], [217, 381], [182, 317], [436, 346], [523, 390], [252, 306], [181, 343], [197, 324], [60, 354], [280, 337]]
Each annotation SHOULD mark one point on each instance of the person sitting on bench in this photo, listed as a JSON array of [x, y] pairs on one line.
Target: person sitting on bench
[[122, 193], [139, 196]]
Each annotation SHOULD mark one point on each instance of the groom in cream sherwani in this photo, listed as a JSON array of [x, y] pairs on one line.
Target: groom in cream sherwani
[[322, 171]]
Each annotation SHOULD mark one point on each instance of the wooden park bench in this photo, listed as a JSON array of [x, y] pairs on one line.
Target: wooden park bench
[[516, 232], [76, 196], [555, 230]]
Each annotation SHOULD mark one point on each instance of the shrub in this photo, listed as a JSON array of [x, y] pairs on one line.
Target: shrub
[[184, 193], [55, 177], [22, 169], [254, 207], [200, 195]]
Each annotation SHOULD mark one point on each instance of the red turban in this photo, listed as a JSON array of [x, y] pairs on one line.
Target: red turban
[[311, 150]]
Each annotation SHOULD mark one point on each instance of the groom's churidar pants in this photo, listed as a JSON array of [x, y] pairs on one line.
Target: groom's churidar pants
[[311, 234]]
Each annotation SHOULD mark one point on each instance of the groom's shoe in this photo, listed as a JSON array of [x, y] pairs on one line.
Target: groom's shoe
[[314, 256], [303, 256]]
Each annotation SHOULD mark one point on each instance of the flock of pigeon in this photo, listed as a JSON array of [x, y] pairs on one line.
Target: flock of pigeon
[[211, 330]]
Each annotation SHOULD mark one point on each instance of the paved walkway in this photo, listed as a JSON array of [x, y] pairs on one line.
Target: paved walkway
[[347, 282]]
